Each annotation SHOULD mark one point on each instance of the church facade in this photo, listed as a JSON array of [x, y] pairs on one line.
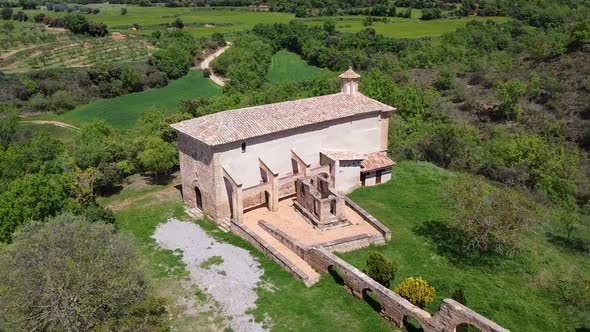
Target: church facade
[[239, 159]]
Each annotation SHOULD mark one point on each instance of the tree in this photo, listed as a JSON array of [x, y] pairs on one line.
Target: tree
[[218, 39], [174, 60], [490, 219], [89, 277], [509, 94], [8, 122], [431, 13], [97, 29], [417, 291], [124, 11], [21, 17], [6, 13], [178, 24], [380, 268], [39, 17], [158, 156], [32, 197], [76, 23], [569, 219]]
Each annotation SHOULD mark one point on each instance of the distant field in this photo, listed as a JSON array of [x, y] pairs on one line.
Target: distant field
[[66, 135], [123, 112], [206, 21], [409, 28], [33, 46], [288, 66]]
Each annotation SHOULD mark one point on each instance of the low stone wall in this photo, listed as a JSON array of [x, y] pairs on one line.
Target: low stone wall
[[289, 242], [259, 243], [369, 218], [393, 306], [352, 243]]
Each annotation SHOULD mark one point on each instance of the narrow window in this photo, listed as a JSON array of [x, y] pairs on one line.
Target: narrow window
[[244, 147]]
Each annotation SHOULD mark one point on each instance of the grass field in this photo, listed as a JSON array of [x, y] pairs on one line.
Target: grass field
[[124, 111], [66, 135], [288, 66], [512, 292], [206, 21]]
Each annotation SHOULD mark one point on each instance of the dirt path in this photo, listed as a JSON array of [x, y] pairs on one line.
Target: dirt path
[[205, 65], [55, 123]]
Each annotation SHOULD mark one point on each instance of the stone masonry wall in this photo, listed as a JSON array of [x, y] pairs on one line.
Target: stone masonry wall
[[393, 306]]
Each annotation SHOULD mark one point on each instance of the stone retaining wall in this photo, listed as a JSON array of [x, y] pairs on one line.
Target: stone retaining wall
[[369, 218], [393, 306]]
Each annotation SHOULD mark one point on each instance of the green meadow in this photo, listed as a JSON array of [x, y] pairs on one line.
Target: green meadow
[[206, 21], [124, 111], [288, 66]]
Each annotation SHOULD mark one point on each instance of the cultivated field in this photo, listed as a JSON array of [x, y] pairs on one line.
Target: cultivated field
[[124, 111], [34, 46], [206, 21], [288, 66]]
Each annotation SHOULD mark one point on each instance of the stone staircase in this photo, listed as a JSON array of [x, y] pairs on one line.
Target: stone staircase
[[296, 263], [223, 223]]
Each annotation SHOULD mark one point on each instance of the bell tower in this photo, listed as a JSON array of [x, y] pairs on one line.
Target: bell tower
[[349, 82]]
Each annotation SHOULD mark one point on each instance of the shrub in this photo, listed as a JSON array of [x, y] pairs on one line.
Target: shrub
[[490, 219], [417, 291], [445, 80], [509, 94], [39, 17], [21, 17], [76, 23], [124, 11], [431, 13], [178, 24], [380, 268], [6, 13]]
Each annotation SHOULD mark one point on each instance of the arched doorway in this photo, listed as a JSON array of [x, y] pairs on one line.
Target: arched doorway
[[466, 328], [198, 198], [371, 299], [411, 324]]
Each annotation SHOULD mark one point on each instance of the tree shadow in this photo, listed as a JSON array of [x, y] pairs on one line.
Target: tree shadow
[[114, 190], [336, 275], [450, 243], [162, 179], [571, 244], [373, 303]]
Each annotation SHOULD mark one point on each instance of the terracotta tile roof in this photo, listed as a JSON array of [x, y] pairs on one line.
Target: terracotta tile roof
[[349, 74], [370, 161], [343, 155], [240, 124], [376, 160]]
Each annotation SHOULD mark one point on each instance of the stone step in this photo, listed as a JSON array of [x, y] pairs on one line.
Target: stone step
[[310, 275], [224, 224]]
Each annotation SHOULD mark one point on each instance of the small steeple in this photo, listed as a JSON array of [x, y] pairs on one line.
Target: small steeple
[[349, 81]]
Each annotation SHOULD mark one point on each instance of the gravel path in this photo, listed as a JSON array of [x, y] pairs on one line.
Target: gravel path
[[231, 283]]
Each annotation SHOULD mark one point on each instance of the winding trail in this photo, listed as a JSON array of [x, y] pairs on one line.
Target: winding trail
[[55, 123], [205, 65]]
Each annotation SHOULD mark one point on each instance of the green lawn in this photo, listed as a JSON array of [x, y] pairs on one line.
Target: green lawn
[[124, 111], [288, 66], [512, 292]]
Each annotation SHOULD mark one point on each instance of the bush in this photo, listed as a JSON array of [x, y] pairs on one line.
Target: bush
[[380, 268], [178, 24], [21, 17], [97, 213], [490, 220], [509, 94], [76, 23], [431, 13], [6, 13], [174, 60], [417, 291], [445, 80]]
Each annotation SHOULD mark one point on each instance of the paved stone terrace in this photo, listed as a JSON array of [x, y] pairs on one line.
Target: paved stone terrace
[[290, 221]]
